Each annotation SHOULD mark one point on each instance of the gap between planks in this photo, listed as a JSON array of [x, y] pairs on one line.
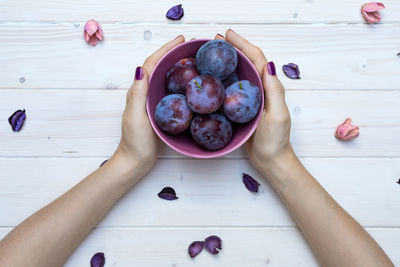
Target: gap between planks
[[237, 227], [198, 23]]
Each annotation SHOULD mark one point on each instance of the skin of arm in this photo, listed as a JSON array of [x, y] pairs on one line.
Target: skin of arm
[[334, 236], [48, 237]]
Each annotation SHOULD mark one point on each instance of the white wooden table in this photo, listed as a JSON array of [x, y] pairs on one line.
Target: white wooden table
[[74, 95]]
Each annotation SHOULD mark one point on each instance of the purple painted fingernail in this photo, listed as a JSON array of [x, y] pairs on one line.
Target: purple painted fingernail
[[220, 35], [139, 73], [271, 68]]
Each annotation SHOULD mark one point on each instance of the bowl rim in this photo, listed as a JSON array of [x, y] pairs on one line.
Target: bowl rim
[[222, 151]]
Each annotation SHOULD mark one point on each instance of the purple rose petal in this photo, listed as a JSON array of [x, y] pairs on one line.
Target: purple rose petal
[[98, 260], [175, 12], [251, 184], [195, 248], [104, 162], [213, 244], [291, 70], [17, 119], [168, 193]]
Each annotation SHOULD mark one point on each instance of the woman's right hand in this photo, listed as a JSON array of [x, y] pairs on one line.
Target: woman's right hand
[[270, 142]]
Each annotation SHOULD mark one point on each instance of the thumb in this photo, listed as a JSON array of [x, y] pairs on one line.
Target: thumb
[[273, 89], [137, 94]]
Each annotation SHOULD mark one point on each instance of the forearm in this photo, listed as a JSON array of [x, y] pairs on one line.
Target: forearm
[[49, 236], [334, 236]]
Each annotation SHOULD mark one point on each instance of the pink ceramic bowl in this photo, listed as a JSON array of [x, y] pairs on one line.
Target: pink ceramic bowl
[[183, 143]]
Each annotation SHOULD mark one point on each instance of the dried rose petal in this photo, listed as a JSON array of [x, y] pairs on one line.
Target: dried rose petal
[[104, 162], [213, 244], [98, 260], [195, 248], [168, 193], [370, 12], [291, 70], [17, 120], [398, 181], [251, 184], [175, 12], [93, 32], [346, 131]]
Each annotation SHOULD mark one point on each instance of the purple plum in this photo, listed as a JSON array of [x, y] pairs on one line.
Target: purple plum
[[173, 114], [211, 131], [218, 58], [180, 74], [242, 101], [231, 79], [205, 94]]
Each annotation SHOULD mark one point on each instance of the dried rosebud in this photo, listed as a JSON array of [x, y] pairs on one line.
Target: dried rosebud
[[168, 193], [17, 119], [98, 260], [195, 248], [93, 32], [213, 244], [104, 162], [346, 131], [291, 70], [370, 12], [175, 12], [251, 184]]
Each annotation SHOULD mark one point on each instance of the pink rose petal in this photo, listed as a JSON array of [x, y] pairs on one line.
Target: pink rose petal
[[370, 12]]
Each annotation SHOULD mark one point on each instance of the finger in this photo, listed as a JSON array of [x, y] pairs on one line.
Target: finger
[[251, 51], [136, 96], [219, 37], [273, 89], [152, 60]]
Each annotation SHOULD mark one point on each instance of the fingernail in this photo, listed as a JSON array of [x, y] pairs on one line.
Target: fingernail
[[178, 36], [139, 73], [271, 68], [220, 35]]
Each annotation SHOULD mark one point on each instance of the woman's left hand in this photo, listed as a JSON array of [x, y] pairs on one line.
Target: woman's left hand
[[139, 144]]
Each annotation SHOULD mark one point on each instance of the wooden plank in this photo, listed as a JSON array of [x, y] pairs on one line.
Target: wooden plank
[[76, 123], [207, 11], [54, 56], [241, 247], [211, 192]]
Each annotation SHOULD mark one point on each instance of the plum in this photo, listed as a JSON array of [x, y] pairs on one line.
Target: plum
[[211, 131], [205, 94], [230, 79], [242, 101], [218, 58], [180, 74], [173, 114]]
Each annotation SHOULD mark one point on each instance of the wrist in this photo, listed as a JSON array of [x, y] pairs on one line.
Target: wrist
[[124, 170], [277, 170]]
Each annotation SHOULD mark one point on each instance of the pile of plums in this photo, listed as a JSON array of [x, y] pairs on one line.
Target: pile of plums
[[207, 96]]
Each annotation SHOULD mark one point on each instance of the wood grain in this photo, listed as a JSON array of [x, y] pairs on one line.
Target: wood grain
[[253, 247], [78, 123], [206, 11], [336, 57], [211, 192]]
